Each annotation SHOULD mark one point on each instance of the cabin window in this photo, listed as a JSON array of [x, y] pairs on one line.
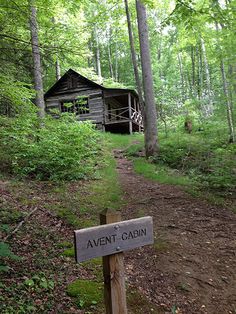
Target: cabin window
[[77, 106], [72, 82]]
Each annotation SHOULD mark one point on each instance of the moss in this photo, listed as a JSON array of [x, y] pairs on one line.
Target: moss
[[87, 293], [70, 252], [93, 262], [65, 244]]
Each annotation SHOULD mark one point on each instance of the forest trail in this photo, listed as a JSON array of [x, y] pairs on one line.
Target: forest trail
[[191, 268]]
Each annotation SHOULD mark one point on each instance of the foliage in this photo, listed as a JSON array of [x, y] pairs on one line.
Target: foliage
[[39, 282], [14, 96], [6, 254], [62, 149], [205, 157]]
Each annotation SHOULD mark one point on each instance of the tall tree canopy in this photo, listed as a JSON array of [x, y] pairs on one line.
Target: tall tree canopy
[[192, 45]]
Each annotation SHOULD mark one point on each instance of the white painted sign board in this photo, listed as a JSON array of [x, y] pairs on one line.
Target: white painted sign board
[[113, 238]]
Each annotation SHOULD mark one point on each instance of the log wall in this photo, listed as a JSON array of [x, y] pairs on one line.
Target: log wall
[[71, 88]]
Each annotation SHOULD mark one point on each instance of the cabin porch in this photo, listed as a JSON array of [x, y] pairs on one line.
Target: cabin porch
[[123, 114]]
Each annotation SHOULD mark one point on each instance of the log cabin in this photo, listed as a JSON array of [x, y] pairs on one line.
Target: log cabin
[[116, 110]]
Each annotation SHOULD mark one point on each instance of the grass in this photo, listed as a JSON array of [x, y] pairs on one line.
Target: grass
[[160, 173], [106, 192], [118, 141]]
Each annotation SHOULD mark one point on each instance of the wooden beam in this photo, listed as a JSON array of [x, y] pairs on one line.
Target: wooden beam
[[130, 113], [135, 104], [113, 272]]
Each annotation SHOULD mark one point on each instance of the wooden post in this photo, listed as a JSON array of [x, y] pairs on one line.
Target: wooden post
[[130, 114], [139, 122], [135, 104], [113, 272]]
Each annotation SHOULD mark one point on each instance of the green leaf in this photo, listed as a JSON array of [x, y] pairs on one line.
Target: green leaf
[[29, 282], [4, 268]]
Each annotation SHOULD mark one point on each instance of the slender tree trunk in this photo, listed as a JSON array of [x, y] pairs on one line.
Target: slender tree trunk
[[116, 62], [98, 60], [199, 86], [151, 140], [183, 92], [37, 70], [109, 55], [229, 106], [209, 107], [58, 70], [228, 103], [193, 67], [134, 60]]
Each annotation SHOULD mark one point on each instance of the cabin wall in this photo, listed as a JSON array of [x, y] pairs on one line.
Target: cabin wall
[[95, 100]]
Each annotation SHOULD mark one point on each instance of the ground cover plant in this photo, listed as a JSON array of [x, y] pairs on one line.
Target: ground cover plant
[[52, 149]]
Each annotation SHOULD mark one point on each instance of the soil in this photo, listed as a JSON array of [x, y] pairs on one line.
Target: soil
[[191, 268]]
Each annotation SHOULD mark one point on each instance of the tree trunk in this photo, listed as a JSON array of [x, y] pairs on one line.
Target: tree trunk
[[183, 92], [58, 70], [98, 60], [151, 140], [199, 81], [116, 62], [134, 60], [193, 67], [229, 106], [37, 70], [109, 54], [209, 107], [228, 103]]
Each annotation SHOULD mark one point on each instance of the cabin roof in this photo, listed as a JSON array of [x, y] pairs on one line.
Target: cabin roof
[[90, 82]]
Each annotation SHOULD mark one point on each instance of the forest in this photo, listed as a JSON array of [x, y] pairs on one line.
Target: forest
[[168, 68]]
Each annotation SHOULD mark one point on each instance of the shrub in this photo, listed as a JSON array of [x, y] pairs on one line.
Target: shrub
[[59, 149], [209, 160]]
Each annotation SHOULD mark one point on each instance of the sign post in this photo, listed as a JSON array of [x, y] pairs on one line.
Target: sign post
[[113, 273], [109, 240]]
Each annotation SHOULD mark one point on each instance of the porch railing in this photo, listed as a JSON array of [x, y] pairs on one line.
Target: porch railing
[[119, 114]]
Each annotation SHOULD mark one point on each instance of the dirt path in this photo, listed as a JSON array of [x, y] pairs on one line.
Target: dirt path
[[192, 266]]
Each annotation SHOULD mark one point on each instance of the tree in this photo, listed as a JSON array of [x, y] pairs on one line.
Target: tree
[[151, 140], [37, 69], [134, 59]]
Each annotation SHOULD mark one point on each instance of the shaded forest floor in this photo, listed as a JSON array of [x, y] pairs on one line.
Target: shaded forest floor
[[191, 268]]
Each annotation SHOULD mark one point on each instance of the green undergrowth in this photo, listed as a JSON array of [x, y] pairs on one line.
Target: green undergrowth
[[120, 141], [160, 173], [81, 207], [106, 192], [203, 161], [52, 149], [206, 157]]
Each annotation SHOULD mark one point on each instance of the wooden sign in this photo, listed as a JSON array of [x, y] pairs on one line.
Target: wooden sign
[[113, 238]]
